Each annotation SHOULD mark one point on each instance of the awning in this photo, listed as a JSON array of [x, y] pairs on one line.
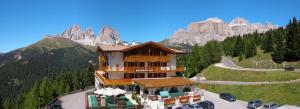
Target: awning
[[164, 93], [163, 82]]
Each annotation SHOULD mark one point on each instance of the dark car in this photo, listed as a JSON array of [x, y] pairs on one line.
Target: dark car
[[206, 105], [254, 104], [270, 106], [228, 97], [183, 107], [194, 106], [289, 68]]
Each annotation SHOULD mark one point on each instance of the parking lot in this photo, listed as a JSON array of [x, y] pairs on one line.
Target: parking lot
[[223, 104]]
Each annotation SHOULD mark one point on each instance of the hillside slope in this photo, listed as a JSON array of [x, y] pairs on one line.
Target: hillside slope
[[263, 60], [20, 68]]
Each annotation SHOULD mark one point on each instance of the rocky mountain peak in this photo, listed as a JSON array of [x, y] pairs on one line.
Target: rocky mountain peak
[[215, 29], [214, 19], [75, 28], [270, 26], [89, 32], [238, 21], [107, 35]]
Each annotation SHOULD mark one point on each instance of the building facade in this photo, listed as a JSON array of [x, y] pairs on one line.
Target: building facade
[[149, 66]]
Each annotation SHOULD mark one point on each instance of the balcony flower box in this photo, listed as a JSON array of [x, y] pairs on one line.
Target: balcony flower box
[[169, 101], [196, 97], [184, 99]]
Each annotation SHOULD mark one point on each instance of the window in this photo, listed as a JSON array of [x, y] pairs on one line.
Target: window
[[128, 75], [139, 75], [157, 75], [141, 64], [163, 64]]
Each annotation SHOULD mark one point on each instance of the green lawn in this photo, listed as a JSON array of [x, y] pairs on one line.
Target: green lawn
[[279, 93], [222, 74], [263, 60]]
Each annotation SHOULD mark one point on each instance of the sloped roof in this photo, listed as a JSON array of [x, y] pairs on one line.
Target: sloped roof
[[124, 48], [112, 47]]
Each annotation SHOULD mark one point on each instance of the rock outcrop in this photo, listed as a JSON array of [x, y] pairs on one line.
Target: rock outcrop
[[106, 36], [215, 29]]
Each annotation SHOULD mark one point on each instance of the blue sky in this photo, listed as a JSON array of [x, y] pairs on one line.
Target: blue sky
[[25, 22]]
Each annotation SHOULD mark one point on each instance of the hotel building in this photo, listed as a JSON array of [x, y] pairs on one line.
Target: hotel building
[[146, 68]]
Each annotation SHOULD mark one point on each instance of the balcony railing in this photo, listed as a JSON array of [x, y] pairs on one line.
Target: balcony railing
[[102, 58], [143, 69], [134, 58]]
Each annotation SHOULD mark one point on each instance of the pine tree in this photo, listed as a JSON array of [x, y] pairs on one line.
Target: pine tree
[[268, 42], [291, 40], [250, 50], [44, 94], [278, 55], [193, 61], [76, 81], [31, 98], [297, 40], [257, 38], [18, 103], [54, 89], [239, 47], [5, 103], [214, 51]]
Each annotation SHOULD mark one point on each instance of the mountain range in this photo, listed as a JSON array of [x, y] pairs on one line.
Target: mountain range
[[215, 29], [107, 35], [21, 67], [75, 49]]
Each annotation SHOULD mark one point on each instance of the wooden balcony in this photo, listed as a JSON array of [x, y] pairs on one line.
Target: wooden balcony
[[142, 69], [136, 58], [111, 82], [102, 58]]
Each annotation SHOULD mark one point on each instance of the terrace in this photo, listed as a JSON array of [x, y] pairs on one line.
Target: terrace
[[143, 69], [95, 101]]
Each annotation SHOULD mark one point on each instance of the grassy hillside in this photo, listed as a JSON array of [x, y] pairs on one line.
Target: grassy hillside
[[281, 93], [50, 55], [263, 60], [216, 73]]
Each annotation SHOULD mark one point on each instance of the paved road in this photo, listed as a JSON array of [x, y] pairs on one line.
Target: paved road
[[245, 83], [227, 63]]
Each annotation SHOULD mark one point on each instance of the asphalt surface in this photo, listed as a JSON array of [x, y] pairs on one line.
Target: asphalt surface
[[223, 104], [246, 83], [227, 63]]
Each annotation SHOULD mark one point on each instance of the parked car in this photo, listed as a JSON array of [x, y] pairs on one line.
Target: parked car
[[270, 106], [254, 104], [228, 97], [290, 68], [206, 105], [194, 106], [183, 107]]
